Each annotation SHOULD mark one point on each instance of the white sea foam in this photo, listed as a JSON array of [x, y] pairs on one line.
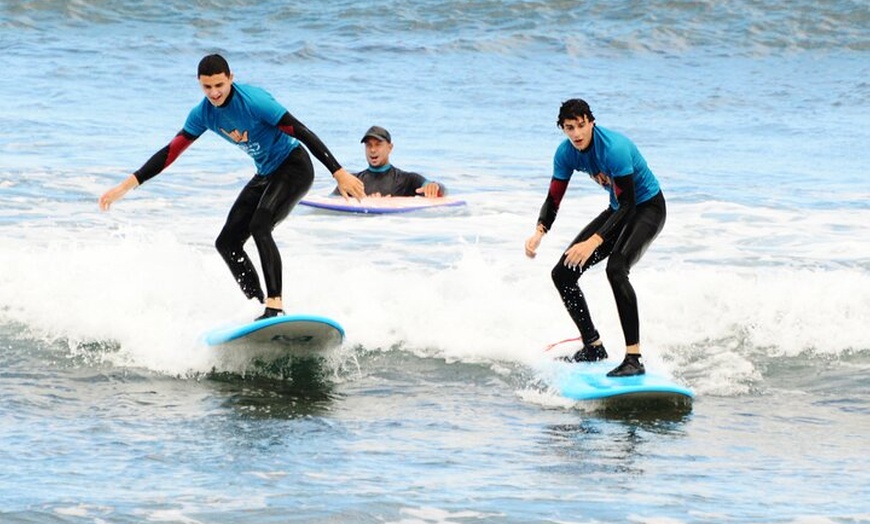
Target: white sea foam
[[469, 295]]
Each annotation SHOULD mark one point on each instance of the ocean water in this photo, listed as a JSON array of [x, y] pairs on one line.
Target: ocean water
[[437, 409]]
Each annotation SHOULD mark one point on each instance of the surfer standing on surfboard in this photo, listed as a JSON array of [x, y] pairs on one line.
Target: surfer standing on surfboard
[[621, 233], [382, 179], [250, 118]]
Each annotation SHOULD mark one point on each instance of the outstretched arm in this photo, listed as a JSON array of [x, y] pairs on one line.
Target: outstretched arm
[[117, 192], [347, 183], [547, 215], [157, 163], [550, 207]]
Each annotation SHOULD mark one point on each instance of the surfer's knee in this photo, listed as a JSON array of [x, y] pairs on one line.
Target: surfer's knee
[[563, 276], [224, 244], [556, 275]]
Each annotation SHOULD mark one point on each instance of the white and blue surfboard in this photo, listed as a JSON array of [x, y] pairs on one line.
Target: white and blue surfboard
[[379, 205], [290, 335], [589, 381]]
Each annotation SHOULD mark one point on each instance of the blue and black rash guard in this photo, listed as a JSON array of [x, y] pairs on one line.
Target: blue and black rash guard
[[250, 119], [614, 162]]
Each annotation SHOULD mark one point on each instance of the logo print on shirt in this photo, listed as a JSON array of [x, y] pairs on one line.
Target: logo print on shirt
[[235, 135], [241, 140]]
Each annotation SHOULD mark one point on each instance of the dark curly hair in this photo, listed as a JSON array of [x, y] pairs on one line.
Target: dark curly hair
[[574, 108]]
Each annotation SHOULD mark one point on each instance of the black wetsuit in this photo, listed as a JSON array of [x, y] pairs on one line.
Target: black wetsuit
[[392, 181]]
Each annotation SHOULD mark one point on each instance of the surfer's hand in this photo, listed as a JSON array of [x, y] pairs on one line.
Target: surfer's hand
[[117, 192], [430, 190], [579, 253], [533, 242], [349, 185]]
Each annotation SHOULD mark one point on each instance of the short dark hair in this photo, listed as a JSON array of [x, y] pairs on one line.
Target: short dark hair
[[213, 65], [574, 108]]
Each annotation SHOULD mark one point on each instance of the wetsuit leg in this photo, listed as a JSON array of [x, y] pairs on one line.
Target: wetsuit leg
[[230, 242], [566, 279], [636, 236], [286, 187]]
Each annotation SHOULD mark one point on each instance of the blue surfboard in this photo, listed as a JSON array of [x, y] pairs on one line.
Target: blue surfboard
[[589, 381], [379, 205], [300, 335]]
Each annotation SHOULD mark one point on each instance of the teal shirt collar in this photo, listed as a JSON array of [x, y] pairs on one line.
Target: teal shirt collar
[[383, 168]]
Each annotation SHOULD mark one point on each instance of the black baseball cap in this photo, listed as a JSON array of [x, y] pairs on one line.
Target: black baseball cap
[[377, 132]]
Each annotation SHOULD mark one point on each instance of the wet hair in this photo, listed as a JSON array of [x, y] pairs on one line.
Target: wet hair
[[213, 65], [574, 108]]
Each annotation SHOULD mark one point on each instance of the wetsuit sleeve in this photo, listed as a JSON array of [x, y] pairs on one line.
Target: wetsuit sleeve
[[297, 129], [552, 202], [161, 159], [564, 164], [625, 196]]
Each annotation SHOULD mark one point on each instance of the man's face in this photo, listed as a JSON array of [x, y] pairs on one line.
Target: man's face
[[378, 151], [579, 132], [216, 87]]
